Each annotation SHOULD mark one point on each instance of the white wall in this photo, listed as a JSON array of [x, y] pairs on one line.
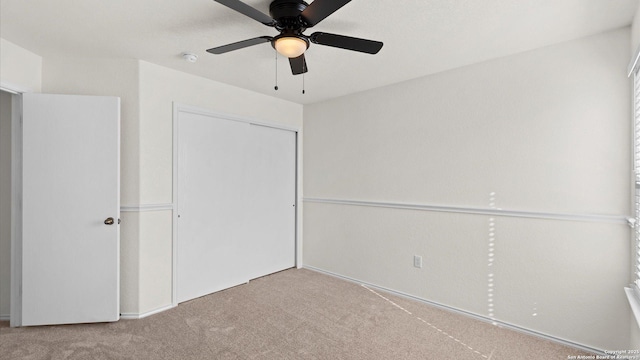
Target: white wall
[[543, 131], [635, 31], [20, 69], [5, 204], [635, 336], [159, 88]]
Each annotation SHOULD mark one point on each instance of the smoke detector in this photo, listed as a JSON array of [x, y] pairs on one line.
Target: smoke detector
[[190, 57]]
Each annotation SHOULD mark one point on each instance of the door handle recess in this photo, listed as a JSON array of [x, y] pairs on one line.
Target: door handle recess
[[108, 221]]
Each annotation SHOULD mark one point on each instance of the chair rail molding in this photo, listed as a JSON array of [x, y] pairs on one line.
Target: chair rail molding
[[146, 207], [615, 219]]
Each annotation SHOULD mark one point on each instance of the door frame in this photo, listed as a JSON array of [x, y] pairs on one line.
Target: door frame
[[182, 108], [15, 307]]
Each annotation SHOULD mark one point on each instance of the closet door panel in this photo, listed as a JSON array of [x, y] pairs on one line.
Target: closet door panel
[[212, 217], [272, 199]]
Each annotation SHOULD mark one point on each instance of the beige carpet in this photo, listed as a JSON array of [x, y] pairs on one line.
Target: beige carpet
[[294, 314]]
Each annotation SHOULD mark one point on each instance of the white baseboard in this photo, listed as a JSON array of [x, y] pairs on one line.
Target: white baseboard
[[126, 316], [132, 316], [462, 312]]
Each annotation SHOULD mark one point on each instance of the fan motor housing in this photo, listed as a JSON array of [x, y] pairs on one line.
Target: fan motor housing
[[287, 13]]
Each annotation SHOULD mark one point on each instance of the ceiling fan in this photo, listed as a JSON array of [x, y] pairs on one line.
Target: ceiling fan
[[291, 18]]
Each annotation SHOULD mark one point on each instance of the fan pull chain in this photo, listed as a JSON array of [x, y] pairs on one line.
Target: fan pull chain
[[302, 83], [276, 87]]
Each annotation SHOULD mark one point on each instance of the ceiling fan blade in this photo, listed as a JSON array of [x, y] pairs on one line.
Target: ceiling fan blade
[[346, 42], [320, 9], [247, 10], [298, 65], [239, 45]]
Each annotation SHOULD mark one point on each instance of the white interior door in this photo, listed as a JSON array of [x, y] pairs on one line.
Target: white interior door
[[70, 197], [236, 189]]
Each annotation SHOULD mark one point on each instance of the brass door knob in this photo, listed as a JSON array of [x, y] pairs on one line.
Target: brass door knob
[[109, 221]]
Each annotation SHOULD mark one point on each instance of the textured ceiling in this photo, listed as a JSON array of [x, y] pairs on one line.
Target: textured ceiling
[[420, 37]]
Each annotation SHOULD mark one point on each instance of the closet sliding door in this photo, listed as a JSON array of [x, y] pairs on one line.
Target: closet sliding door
[[235, 203], [212, 176], [271, 200]]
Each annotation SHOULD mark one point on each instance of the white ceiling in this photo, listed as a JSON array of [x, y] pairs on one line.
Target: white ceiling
[[420, 37]]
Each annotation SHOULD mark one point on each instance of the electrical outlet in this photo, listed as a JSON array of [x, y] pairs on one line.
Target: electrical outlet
[[417, 261]]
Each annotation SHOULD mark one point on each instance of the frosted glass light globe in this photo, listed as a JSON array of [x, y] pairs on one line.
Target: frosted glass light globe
[[290, 46]]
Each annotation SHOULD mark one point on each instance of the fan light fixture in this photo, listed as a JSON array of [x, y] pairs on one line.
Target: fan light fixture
[[291, 46]]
